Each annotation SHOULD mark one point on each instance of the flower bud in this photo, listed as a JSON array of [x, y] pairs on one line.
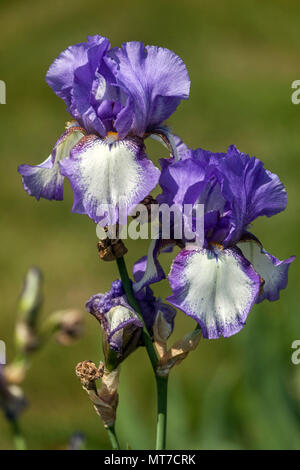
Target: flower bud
[[28, 308], [121, 326], [12, 399], [105, 400]]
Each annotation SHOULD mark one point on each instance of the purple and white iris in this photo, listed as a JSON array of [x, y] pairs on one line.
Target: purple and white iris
[[120, 323], [218, 283], [117, 97]]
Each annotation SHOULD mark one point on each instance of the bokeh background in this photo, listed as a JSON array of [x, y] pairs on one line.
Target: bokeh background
[[236, 393]]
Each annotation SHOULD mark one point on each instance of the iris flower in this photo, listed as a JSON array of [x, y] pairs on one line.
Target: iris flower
[[117, 97], [120, 323], [218, 283]]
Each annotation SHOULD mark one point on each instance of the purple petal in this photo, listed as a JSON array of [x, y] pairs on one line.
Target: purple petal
[[155, 78], [45, 180], [252, 190], [273, 271], [215, 287], [115, 315], [148, 270], [60, 76], [109, 173]]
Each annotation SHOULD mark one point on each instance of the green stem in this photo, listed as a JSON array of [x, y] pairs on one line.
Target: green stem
[[134, 304], [161, 382], [19, 440], [113, 438], [162, 397]]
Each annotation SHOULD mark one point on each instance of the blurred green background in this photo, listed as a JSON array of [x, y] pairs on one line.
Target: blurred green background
[[242, 392]]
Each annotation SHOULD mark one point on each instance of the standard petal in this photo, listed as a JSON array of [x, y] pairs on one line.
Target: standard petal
[[60, 76], [215, 287], [106, 173], [252, 190], [45, 180], [273, 271], [155, 78]]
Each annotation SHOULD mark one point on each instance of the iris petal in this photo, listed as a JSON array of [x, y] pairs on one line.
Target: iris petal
[[154, 78], [215, 287], [103, 173], [273, 271], [45, 180]]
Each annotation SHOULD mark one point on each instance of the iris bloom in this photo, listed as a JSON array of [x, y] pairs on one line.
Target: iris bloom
[[120, 323], [117, 97], [218, 283]]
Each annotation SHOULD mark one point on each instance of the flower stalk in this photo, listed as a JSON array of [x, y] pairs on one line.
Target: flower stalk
[[161, 382]]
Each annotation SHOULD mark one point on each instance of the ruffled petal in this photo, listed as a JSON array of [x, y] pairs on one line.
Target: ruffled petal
[[155, 78], [109, 173], [45, 180], [215, 287], [60, 76], [273, 271], [252, 190]]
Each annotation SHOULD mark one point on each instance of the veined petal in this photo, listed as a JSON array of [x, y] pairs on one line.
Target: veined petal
[[252, 190], [273, 271], [215, 287], [155, 78], [45, 180], [60, 76], [114, 173]]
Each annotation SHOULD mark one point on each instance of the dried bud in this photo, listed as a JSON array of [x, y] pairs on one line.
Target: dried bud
[[163, 327], [87, 372], [110, 249], [105, 400], [178, 352]]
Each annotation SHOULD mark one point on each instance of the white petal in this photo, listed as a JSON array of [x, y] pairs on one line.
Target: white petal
[[217, 288], [273, 271]]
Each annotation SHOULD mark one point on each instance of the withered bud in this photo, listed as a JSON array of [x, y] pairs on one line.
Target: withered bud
[[109, 249], [88, 372], [178, 352], [105, 400], [162, 329]]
